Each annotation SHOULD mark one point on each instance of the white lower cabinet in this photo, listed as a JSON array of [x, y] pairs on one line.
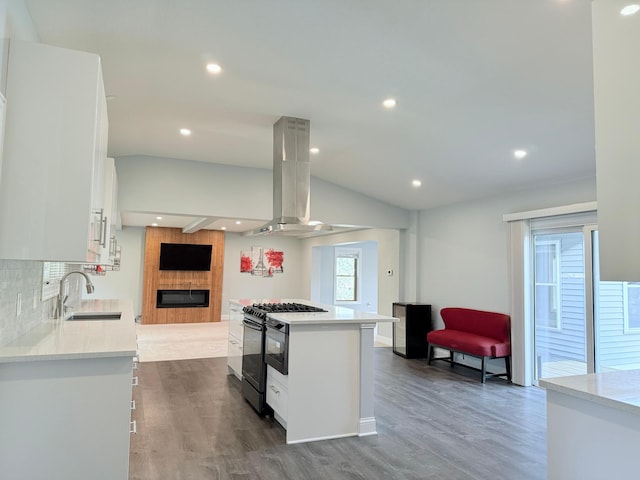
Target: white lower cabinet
[[134, 383], [234, 353], [66, 419], [278, 395], [234, 356]]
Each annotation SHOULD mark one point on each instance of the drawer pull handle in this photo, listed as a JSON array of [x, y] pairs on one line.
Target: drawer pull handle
[[133, 427], [274, 390], [133, 404], [134, 383]]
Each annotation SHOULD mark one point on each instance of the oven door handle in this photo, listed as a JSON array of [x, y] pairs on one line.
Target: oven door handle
[[252, 326]]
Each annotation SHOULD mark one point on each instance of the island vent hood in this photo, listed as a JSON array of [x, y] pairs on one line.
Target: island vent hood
[[291, 180]]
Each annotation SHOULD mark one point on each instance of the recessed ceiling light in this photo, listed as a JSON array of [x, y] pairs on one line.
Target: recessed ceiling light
[[390, 103], [238, 222], [158, 218], [416, 183], [630, 9], [223, 228], [154, 224], [519, 154], [185, 132], [314, 150], [214, 68]]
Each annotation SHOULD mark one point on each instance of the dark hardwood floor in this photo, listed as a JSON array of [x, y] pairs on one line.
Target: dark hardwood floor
[[433, 423]]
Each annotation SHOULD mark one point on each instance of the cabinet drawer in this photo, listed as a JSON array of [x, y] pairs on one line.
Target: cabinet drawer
[[234, 356], [236, 330], [277, 396]]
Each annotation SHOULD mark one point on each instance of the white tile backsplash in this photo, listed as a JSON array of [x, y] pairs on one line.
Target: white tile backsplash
[[25, 278]]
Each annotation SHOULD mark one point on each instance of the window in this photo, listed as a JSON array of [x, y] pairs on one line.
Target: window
[[547, 284], [346, 275], [631, 307]]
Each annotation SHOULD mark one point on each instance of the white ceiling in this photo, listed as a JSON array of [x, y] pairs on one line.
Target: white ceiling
[[474, 80]]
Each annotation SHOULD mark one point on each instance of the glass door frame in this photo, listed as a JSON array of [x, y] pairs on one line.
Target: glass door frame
[[587, 230], [589, 297]]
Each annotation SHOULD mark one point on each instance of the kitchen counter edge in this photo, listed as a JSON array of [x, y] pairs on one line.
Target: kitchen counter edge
[[617, 390], [61, 339], [333, 315]]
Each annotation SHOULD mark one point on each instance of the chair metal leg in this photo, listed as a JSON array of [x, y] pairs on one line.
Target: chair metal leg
[[484, 369], [507, 364], [451, 358], [429, 354]]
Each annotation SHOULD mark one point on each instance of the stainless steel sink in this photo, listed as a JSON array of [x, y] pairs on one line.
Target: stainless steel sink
[[95, 316]]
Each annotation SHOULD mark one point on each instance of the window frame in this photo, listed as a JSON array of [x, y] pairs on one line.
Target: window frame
[[356, 254], [625, 296], [556, 284]]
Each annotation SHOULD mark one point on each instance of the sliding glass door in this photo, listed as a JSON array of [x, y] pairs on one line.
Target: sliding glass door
[[581, 324], [617, 321], [559, 303]]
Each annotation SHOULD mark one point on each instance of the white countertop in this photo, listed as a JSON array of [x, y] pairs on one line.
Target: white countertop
[[70, 339], [332, 315], [620, 390]]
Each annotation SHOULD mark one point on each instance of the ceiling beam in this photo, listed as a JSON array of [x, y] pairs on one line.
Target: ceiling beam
[[198, 224]]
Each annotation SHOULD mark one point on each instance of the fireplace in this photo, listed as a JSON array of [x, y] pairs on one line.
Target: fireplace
[[182, 298]]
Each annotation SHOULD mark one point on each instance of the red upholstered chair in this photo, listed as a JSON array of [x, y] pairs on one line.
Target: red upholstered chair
[[476, 333]]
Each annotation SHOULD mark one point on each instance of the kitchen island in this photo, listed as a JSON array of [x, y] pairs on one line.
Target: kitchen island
[[593, 425], [328, 389], [65, 397]]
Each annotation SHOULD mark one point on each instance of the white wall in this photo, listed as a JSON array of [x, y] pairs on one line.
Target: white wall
[[322, 274], [288, 284], [388, 242], [322, 277], [153, 184], [463, 247], [126, 282]]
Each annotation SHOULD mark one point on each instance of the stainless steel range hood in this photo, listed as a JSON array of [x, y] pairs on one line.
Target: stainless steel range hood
[[291, 180]]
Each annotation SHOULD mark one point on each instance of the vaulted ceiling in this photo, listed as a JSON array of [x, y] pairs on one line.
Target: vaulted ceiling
[[474, 80]]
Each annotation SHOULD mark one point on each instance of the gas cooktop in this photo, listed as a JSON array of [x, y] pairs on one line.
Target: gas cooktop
[[261, 310]]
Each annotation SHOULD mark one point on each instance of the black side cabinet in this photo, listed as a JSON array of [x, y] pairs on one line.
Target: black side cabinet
[[410, 333]]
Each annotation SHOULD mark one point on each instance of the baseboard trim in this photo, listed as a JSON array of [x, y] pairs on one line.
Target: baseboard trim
[[367, 427]]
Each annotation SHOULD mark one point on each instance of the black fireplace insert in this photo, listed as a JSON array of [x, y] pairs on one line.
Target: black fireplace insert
[[182, 298]]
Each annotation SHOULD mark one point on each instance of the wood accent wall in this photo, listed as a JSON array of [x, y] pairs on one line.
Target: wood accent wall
[[156, 279]]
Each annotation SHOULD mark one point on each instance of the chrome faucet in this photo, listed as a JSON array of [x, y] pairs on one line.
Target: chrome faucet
[[60, 306]]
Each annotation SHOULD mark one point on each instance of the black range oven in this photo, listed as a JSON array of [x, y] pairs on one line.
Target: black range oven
[[254, 368], [266, 341]]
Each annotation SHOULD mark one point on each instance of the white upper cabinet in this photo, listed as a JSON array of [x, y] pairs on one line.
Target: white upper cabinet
[[111, 220], [617, 110], [52, 182]]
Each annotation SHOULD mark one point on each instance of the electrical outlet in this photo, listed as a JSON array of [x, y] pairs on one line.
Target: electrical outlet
[[18, 305]]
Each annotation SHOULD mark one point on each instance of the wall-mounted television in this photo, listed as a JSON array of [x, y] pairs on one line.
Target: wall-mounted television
[[185, 256]]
